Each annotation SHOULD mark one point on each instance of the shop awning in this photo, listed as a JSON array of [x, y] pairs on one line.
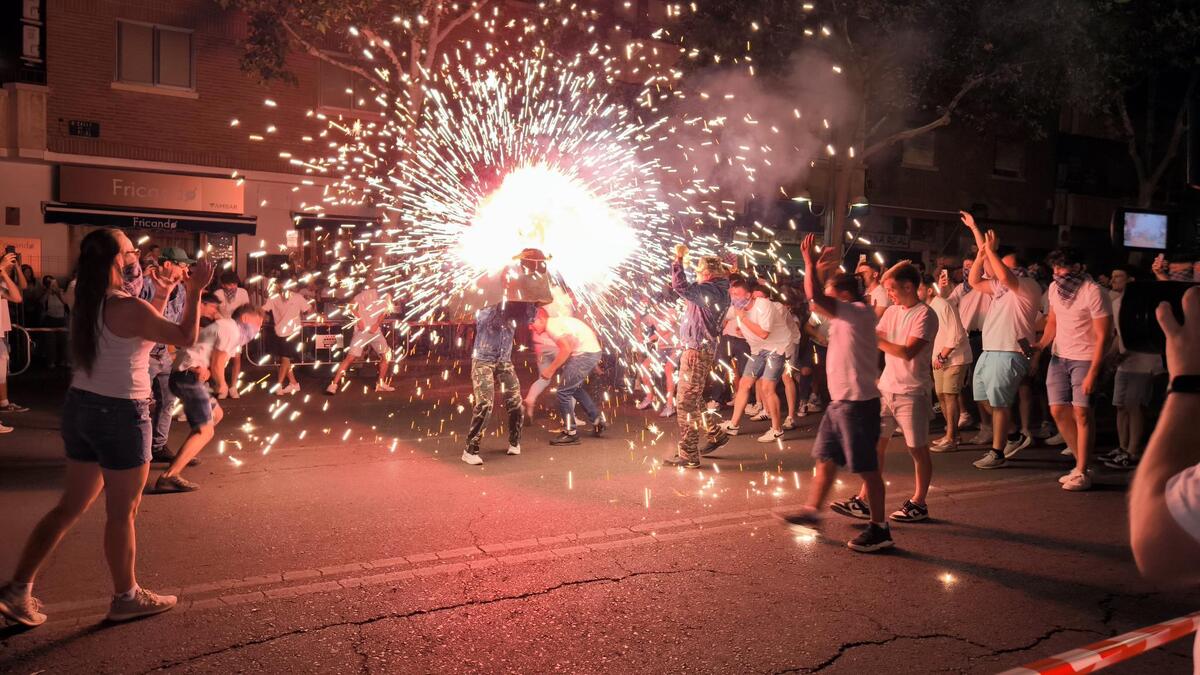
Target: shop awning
[[333, 222], [211, 223]]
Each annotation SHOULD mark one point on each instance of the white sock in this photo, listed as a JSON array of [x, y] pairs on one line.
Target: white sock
[[128, 595]]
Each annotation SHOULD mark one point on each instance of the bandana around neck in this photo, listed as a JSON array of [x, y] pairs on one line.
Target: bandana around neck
[[1069, 284]]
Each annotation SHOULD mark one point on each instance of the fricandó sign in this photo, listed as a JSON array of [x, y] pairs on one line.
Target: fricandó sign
[[140, 189]]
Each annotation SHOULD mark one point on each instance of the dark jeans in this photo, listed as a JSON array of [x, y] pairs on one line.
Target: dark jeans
[[570, 389], [164, 400]]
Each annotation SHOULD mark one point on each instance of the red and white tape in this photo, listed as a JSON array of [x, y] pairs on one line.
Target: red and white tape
[[1113, 650]]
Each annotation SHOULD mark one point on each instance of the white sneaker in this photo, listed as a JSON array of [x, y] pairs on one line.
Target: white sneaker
[[514, 449], [1067, 452], [233, 393], [984, 437], [645, 403], [5, 429], [760, 417], [802, 410], [1056, 439], [728, 428], [20, 607], [789, 424], [222, 397], [473, 460], [964, 420], [383, 386], [990, 461], [331, 389], [753, 409], [712, 406], [1012, 447], [294, 389], [143, 603], [770, 436], [1076, 481], [943, 445], [668, 411], [1046, 430]]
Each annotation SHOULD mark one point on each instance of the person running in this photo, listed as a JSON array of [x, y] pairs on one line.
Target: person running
[[849, 431], [951, 357], [491, 363], [287, 309], [1008, 331], [106, 424], [1133, 388], [869, 272], [705, 303], [370, 310], [578, 354], [232, 296], [768, 336], [1079, 327], [190, 373]]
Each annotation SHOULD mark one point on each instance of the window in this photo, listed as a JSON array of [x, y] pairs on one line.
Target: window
[[344, 90], [920, 152], [1009, 161], [156, 56]]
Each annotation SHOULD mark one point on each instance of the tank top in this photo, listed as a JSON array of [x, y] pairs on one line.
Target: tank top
[[122, 365]]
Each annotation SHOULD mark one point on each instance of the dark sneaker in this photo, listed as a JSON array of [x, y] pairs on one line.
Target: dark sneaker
[[853, 507], [565, 439], [174, 484], [1110, 455], [13, 408], [719, 442], [678, 461], [24, 609], [805, 517], [598, 427], [874, 538], [911, 512], [165, 456], [1122, 462], [1016, 444], [144, 603]]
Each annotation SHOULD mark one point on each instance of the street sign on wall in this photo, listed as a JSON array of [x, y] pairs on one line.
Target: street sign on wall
[[141, 189]]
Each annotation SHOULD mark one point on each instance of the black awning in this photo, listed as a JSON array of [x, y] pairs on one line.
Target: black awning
[[211, 223], [305, 221]]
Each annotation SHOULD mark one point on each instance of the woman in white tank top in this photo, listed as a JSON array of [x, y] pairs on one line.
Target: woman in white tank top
[[106, 422]]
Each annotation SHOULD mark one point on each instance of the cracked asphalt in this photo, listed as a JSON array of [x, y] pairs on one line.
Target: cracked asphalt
[[367, 547]]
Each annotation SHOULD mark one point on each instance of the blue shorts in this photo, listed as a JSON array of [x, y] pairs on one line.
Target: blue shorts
[[766, 365], [193, 394], [1064, 382], [113, 432], [849, 434], [998, 375]]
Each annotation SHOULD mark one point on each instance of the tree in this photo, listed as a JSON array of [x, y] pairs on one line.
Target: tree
[[907, 67]]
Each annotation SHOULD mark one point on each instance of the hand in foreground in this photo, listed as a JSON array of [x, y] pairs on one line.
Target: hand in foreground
[[1182, 356], [199, 276], [681, 250]]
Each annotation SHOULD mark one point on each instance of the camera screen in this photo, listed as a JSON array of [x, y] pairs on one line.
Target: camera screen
[[1145, 230]]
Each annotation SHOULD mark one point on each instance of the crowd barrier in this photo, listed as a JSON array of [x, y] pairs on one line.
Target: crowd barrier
[[1114, 650]]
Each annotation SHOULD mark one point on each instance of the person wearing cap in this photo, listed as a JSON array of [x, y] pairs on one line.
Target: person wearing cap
[[163, 290], [706, 301]]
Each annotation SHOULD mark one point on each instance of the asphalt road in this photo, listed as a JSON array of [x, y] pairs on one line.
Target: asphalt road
[[358, 542]]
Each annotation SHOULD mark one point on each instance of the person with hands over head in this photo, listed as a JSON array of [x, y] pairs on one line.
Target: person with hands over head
[[1079, 327], [106, 423], [849, 431], [11, 283]]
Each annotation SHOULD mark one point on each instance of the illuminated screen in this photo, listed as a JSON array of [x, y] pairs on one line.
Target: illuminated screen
[[1145, 230]]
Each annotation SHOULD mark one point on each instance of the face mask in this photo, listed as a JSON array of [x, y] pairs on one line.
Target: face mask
[[743, 303], [248, 332], [133, 280]]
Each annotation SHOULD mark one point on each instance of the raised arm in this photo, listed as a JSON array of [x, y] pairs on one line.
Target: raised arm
[[814, 285], [679, 282], [981, 257], [11, 289], [134, 317]]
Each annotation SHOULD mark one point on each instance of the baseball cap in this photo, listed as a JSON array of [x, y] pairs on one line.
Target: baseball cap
[[175, 255]]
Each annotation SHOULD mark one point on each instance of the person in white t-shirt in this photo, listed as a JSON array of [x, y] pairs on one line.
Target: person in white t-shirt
[[287, 309], [1133, 386], [370, 309], [11, 282], [232, 295], [849, 431], [767, 334], [972, 309], [951, 358], [1079, 327], [791, 361], [1164, 498], [578, 355], [869, 272], [193, 368]]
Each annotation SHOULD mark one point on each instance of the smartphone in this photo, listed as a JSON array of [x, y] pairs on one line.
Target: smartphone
[[1026, 348], [1139, 326]]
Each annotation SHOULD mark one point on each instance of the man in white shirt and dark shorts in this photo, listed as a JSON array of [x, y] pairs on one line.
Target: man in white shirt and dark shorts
[[370, 309], [287, 308]]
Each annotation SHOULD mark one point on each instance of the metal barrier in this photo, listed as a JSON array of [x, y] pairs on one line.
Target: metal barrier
[[26, 342], [1112, 651]]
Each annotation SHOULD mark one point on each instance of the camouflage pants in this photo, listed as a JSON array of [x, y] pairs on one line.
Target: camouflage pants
[[484, 376], [694, 368]]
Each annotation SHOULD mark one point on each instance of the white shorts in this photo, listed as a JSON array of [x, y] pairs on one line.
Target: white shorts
[[360, 342], [911, 412]]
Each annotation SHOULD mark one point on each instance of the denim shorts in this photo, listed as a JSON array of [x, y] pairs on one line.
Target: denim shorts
[[1064, 382], [193, 394], [113, 432], [849, 435], [766, 365]]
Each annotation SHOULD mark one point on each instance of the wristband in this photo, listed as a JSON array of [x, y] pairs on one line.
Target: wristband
[[1184, 384]]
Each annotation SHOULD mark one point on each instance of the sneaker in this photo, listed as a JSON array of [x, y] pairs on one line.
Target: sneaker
[[760, 417], [514, 449], [471, 458], [1067, 452], [4, 429], [789, 424], [668, 411], [874, 538], [951, 446], [805, 517], [770, 436], [728, 428], [565, 439], [13, 408], [222, 397], [712, 406], [22, 608], [1111, 454], [853, 507], [598, 427], [166, 484], [753, 409], [165, 456], [329, 391], [144, 603], [965, 421], [990, 461], [1056, 439], [984, 437], [1123, 462], [1046, 430], [384, 387], [802, 410], [942, 443], [645, 403], [815, 407], [1015, 445], [684, 462], [233, 393], [717, 443], [911, 512], [1077, 481]]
